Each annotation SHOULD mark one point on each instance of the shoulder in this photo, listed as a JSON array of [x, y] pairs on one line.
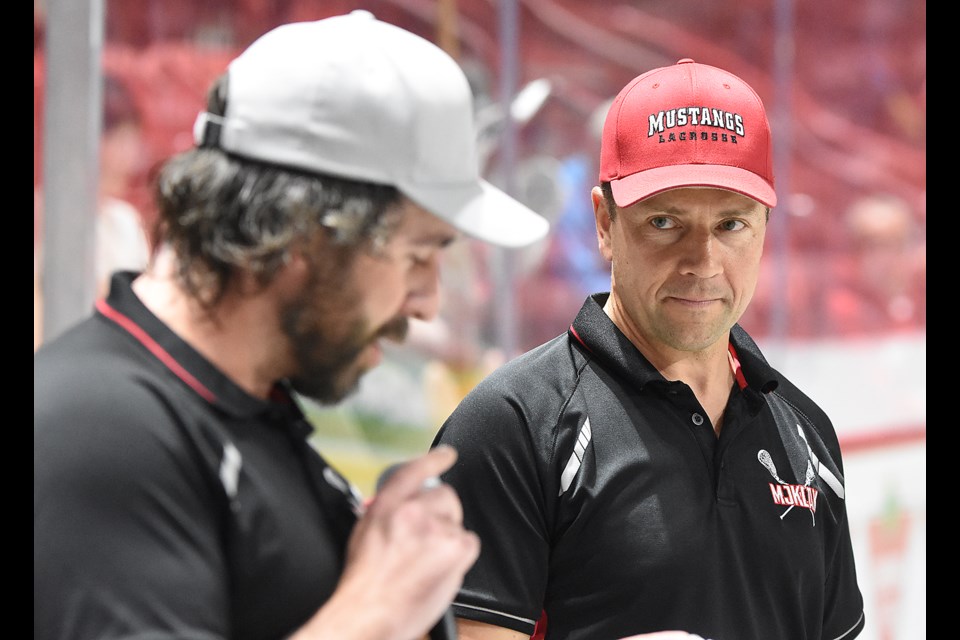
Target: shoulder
[[98, 399], [792, 407], [522, 405], [808, 411], [531, 383]]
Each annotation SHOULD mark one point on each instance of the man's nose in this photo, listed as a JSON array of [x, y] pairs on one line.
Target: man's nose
[[423, 299], [701, 257]]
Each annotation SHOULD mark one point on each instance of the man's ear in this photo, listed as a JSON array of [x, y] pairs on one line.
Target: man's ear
[[604, 220]]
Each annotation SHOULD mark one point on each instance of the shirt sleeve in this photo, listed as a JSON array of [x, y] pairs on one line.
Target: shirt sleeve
[[498, 478], [843, 612]]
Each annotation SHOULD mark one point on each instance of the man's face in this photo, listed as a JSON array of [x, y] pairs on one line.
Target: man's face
[[684, 265], [335, 326]]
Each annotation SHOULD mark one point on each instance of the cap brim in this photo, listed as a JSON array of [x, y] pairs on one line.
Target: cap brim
[[482, 211], [638, 186]]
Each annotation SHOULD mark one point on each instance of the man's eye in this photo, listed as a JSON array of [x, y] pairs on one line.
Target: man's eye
[[662, 222], [419, 259], [732, 225]]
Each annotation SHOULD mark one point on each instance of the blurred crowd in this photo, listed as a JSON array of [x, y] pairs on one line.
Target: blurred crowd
[[854, 263]]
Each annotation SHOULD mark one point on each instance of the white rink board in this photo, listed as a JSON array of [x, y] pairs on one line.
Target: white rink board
[[892, 578]]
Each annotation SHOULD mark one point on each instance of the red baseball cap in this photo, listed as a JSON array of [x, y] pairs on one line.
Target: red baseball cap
[[687, 125]]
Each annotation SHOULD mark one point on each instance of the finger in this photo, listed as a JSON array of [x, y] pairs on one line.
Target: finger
[[440, 501], [414, 476]]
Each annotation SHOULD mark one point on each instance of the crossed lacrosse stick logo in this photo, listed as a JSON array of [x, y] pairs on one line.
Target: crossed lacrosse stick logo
[[767, 461]]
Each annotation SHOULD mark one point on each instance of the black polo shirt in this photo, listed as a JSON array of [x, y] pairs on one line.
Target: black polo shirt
[[606, 505], [169, 503]]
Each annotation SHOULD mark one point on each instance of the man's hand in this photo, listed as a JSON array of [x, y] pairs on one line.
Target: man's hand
[[405, 560]]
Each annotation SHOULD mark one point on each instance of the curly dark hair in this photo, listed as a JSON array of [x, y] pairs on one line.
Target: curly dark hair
[[222, 213]]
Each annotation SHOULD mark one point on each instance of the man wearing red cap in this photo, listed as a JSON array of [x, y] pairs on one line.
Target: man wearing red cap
[[648, 469]]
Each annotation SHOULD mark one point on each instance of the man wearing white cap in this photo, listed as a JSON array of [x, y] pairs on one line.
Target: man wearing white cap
[[648, 469], [176, 495]]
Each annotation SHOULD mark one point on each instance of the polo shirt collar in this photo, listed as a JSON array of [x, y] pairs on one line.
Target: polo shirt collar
[[593, 330], [125, 309]]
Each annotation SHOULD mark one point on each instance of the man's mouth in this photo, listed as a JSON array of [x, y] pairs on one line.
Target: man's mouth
[[396, 330]]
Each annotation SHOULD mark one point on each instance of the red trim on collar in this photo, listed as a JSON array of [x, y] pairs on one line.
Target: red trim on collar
[[735, 366], [133, 329], [579, 339]]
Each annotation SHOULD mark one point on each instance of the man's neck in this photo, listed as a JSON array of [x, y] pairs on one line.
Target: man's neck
[[239, 335], [707, 372]]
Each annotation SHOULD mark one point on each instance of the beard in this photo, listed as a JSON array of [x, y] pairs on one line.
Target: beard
[[327, 338]]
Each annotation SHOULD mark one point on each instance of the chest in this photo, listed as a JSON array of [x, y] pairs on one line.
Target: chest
[[661, 498], [283, 526]]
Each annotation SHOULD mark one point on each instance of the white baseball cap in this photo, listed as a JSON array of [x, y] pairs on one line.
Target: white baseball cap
[[363, 99]]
